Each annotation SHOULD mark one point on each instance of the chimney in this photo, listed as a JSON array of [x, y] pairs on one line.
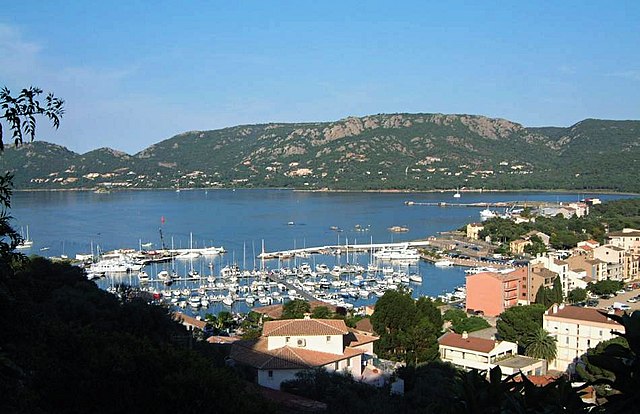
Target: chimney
[[561, 306], [465, 335], [555, 308], [307, 316]]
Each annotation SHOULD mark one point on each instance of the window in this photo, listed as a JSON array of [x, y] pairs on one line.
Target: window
[[270, 373], [328, 338], [348, 362], [567, 340], [336, 366], [287, 338]]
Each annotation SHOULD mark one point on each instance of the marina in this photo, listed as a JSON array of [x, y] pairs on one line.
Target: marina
[[317, 244]]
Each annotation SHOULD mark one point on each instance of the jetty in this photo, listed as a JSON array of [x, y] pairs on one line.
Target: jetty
[[339, 249], [499, 204]]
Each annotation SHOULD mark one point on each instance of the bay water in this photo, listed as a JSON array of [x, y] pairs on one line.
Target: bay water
[[242, 221]]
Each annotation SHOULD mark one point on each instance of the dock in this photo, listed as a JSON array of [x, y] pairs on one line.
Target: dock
[[339, 249], [500, 204]]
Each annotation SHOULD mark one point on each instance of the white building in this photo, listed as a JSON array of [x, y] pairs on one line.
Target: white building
[[576, 330], [469, 352], [287, 347]]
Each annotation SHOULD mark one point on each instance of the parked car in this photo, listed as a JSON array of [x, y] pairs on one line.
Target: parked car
[[621, 291], [632, 300]]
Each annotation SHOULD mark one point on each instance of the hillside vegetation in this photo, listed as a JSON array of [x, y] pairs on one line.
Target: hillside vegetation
[[378, 152]]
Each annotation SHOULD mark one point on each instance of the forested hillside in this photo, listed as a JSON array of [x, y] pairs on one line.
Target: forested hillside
[[378, 152]]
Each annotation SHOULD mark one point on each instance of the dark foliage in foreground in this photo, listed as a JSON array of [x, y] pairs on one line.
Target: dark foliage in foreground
[[67, 346]]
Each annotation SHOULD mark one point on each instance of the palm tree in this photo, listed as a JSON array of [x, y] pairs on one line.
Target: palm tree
[[540, 344]]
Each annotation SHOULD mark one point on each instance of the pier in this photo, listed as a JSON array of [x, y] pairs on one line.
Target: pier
[[500, 204], [339, 249]]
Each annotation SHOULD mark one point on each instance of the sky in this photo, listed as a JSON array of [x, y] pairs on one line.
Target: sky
[[133, 73]]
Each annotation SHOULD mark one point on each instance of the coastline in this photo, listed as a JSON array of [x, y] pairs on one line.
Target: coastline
[[327, 190]]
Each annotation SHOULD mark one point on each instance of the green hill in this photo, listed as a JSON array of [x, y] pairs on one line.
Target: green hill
[[377, 152]]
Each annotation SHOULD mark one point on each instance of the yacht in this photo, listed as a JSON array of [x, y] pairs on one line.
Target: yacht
[[403, 253], [487, 214], [443, 263]]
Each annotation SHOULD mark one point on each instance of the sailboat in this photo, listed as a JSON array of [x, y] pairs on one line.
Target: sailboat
[[26, 243], [457, 194]]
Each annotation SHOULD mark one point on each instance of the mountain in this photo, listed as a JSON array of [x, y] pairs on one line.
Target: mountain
[[377, 152]]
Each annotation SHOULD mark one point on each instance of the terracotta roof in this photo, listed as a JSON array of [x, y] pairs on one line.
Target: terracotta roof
[[581, 314], [364, 325], [256, 354], [455, 340], [275, 311], [500, 276], [353, 339], [187, 320], [290, 327], [215, 339], [543, 271]]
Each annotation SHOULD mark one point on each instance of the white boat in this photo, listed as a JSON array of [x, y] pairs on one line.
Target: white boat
[[402, 253], [26, 242], [443, 263], [143, 276], [416, 278], [194, 301], [322, 268], [164, 275], [188, 255], [457, 194], [476, 270], [487, 214], [109, 266], [227, 301]]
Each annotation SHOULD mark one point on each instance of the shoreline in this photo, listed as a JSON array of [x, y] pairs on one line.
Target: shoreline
[[326, 190]]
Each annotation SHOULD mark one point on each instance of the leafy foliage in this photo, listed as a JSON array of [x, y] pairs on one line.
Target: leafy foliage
[[587, 371], [408, 329], [624, 363], [295, 309], [540, 344], [461, 322], [577, 295], [516, 322], [20, 112], [605, 287], [71, 347]]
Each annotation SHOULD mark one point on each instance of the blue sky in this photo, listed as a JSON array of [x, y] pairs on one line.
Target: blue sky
[[133, 73]]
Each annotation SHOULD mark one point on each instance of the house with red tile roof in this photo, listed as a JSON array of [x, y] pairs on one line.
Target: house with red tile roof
[[287, 347], [576, 329], [470, 352]]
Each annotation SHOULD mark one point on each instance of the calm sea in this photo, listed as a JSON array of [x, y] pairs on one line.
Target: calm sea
[[241, 220]]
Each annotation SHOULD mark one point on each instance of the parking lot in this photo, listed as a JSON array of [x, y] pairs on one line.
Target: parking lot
[[621, 297]]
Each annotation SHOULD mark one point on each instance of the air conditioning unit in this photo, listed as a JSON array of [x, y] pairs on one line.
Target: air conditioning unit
[[302, 342]]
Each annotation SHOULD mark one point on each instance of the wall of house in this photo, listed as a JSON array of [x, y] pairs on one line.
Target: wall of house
[[276, 378], [352, 365], [464, 358], [332, 344], [484, 293], [537, 368], [574, 337], [368, 348]]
